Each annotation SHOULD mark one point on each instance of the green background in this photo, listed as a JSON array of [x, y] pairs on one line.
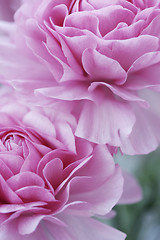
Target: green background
[[141, 221]]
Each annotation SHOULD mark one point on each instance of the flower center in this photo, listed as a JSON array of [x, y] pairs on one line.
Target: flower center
[[13, 142]]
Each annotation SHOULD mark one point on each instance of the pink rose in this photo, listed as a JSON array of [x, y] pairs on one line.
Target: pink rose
[[102, 56], [52, 184]]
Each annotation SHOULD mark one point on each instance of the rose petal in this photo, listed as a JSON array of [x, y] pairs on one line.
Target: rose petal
[[5, 171], [65, 156], [13, 162], [25, 179], [53, 172], [107, 19], [123, 31], [7, 195], [35, 193], [82, 20], [8, 208], [152, 28], [99, 67]]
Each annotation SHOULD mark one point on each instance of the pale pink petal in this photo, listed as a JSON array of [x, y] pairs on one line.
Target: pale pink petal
[[77, 45], [105, 165], [132, 192], [152, 28], [65, 135], [99, 67], [123, 31], [68, 92], [65, 156], [13, 162], [5, 120], [59, 13], [40, 123], [25, 179], [144, 72], [7, 9], [28, 224], [35, 193], [59, 69], [107, 21], [32, 153], [12, 59], [8, 208], [10, 231], [7, 195], [124, 4], [107, 194], [62, 192], [41, 51], [53, 172], [147, 124], [79, 228], [5, 170], [17, 111], [98, 123], [130, 49], [120, 91], [83, 147], [81, 20]]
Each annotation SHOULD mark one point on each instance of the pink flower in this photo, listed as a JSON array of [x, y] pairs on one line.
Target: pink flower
[[102, 56], [51, 184]]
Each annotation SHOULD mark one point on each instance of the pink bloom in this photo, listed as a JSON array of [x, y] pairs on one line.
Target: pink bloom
[[101, 57], [50, 182]]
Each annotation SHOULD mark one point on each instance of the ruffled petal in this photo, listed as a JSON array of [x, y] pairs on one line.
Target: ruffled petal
[[105, 122], [144, 72], [99, 67], [100, 199]]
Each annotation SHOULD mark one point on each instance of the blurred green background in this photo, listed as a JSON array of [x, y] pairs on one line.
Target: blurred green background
[[141, 221]]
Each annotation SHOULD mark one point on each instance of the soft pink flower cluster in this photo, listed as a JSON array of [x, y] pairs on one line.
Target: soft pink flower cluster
[[83, 80], [102, 56], [53, 182]]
